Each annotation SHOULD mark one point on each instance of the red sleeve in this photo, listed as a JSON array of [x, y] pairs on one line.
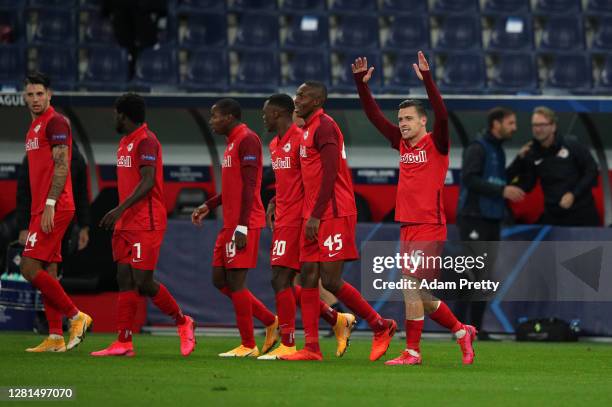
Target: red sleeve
[[326, 140], [325, 134], [440, 131], [214, 202], [249, 154], [58, 131], [375, 115], [146, 152]]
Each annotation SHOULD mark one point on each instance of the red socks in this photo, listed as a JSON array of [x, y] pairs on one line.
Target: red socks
[[54, 318], [260, 311], [244, 316], [285, 308], [167, 304], [353, 299], [126, 311], [55, 294], [329, 314], [310, 318], [414, 328], [445, 317]]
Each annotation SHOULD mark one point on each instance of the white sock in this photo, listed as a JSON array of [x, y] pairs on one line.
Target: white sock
[[460, 333], [413, 352], [55, 336], [75, 317]]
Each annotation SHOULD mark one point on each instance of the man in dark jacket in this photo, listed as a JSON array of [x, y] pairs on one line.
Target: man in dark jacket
[[482, 206], [566, 171]]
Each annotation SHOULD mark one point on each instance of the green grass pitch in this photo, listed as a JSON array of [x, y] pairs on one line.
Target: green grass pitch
[[505, 373]]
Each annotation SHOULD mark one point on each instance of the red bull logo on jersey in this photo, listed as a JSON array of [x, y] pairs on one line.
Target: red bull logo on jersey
[[124, 161], [412, 158], [281, 163], [227, 161], [32, 144]]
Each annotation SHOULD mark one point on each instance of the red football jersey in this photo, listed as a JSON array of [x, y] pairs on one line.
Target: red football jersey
[[342, 202], [421, 183], [285, 154], [138, 149], [46, 131], [231, 180]]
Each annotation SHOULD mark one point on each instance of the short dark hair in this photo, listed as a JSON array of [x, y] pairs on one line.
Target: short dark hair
[[319, 86], [37, 78], [229, 106], [414, 103], [132, 105], [498, 114], [283, 101]]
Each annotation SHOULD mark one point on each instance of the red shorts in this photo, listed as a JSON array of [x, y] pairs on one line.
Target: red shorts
[[138, 248], [285, 250], [336, 241], [225, 253], [47, 247], [425, 241]]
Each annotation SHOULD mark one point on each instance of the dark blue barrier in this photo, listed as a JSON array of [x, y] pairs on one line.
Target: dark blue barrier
[[186, 261]]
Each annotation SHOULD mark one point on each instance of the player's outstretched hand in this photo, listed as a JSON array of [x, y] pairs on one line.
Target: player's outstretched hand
[[111, 217], [46, 222], [270, 215], [312, 228], [199, 213], [422, 66], [240, 239], [361, 65]]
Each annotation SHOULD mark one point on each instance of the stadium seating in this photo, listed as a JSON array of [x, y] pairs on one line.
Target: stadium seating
[[557, 6], [506, 6], [511, 33], [514, 73], [358, 6], [408, 32], [307, 65], [599, 6], [357, 32], [258, 71], [562, 33], [402, 79], [59, 63], [55, 26], [207, 71], [304, 5], [307, 31], [53, 3], [205, 30], [188, 6], [413, 7], [12, 66], [99, 30], [254, 5], [455, 6], [463, 73], [459, 32], [11, 26], [257, 30], [156, 69], [570, 74], [604, 85], [602, 39], [344, 82], [107, 69]]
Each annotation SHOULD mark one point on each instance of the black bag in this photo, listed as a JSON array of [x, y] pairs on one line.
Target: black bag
[[547, 330]]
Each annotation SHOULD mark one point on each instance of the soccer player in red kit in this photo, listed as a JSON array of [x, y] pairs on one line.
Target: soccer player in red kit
[[419, 207], [328, 231], [284, 217], [139, 223], [48, 146], [237, 243]]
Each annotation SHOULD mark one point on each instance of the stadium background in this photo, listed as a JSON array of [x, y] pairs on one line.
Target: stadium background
[[519, 54]]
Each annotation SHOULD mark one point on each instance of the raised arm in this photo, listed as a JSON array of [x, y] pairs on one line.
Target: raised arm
[[362, 75]]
